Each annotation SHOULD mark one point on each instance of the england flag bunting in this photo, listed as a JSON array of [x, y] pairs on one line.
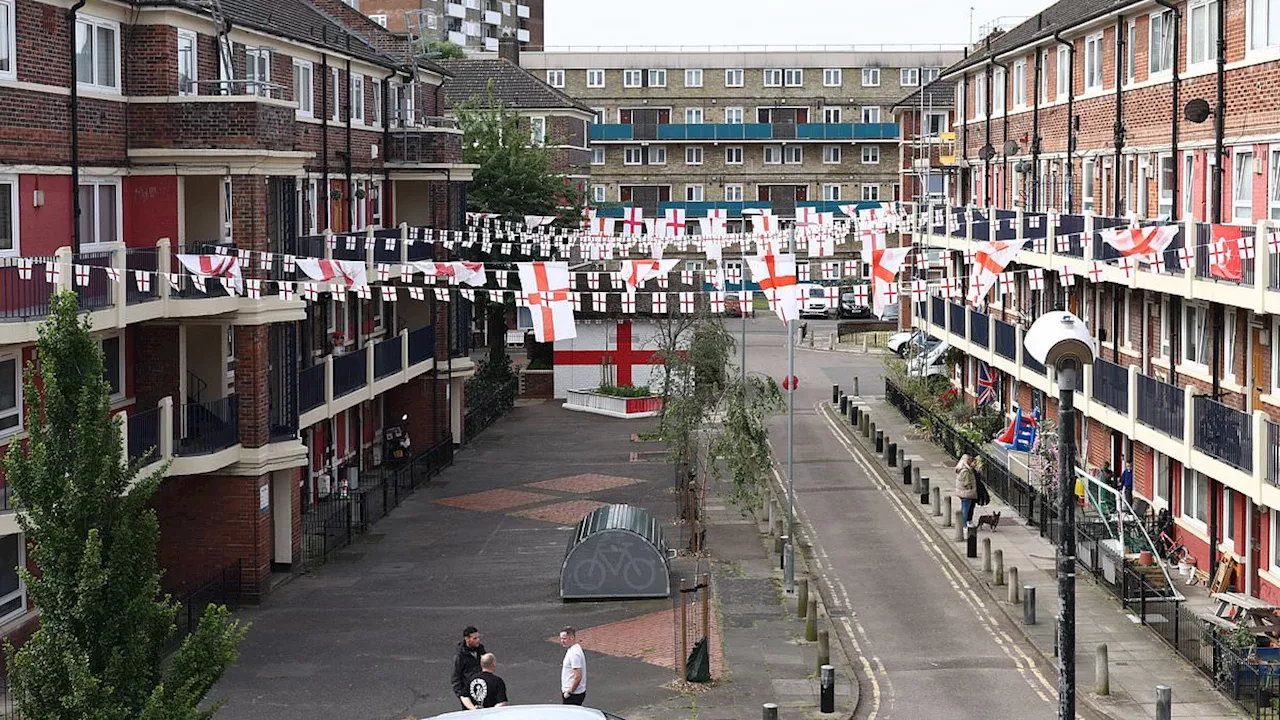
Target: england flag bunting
[[764, 223], [350, 273], [885, 264], [989, 261], [714, 224], [636, 272], [220, 266], [1224, 252], [674, 222], [547, 287], [1140, 241], [776, 275]]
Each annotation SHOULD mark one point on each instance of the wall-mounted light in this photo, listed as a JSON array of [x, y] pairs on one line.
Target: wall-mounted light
[[37, 198]]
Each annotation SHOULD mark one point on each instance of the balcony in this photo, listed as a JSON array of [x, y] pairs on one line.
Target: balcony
[[979, 328], [1273, 453], [388, 357], [1224, 433], [417, 138], [243, 120], [455, 10], [350, 372], [1163, 406], [938, 311], [522, 11], [492, 17], [956, 318], [1111, 385], [340, 382], [209, 427], [1006, 340], [143, 435], [522, 35], [715, 132], [422, 344]]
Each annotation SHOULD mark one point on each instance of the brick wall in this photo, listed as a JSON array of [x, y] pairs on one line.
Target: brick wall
[[241, 122], [152, 67], [155, 347]]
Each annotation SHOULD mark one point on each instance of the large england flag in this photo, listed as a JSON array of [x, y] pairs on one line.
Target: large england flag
[[989, 261], [546, 287], [776, 276]]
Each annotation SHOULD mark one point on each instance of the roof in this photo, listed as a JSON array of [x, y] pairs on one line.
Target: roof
[[939, 94], [1058, 17], [516, 87]]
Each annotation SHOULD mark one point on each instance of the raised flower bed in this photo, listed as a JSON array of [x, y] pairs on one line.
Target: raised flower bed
[[617, 402]]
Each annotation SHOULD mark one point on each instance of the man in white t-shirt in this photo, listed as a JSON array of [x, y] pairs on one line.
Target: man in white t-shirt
[[573, 672]]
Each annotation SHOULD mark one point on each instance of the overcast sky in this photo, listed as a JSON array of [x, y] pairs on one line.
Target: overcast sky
[[774, 22]]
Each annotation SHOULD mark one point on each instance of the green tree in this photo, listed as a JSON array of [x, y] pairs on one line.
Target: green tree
[[442, 50], [104, 623]]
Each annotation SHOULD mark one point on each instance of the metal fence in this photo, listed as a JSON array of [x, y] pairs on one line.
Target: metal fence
[[1006, 340], [224, 588], [979, 328], [1224, 432], [1162, 407], [209, 427], [1111, 385], [144, 434]]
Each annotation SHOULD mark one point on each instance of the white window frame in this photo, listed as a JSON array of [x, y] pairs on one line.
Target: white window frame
[[980, 96], [909, 77], [8, 41], [257, 73], [772, 154], [929, 74], [20, 593], [16, 413], [1230, 327], [734, 116], [1262, 24], [1273, 187], [1042, 82], [14, 225], [309, 111], [1087, 180], [870, 192], [693, 155], [630, 152], [192, 56], [598, 155], [538, 131], [871, 77], [693, 116], [657, 77], [831, 192], [1199, 338], [1239, 178], [693, 77], [632, 78], [117, 395], [1188, 187], [944, 123], [94, 82], [93, 210], [1201, 41], [1166, 334], [1165, 205], [1093, 61], [793, 77], [378, 116], [657, 155], [595, 78], [694, 193], [1062, 86], [599, 193], [832, 115], [832, 77], [793, 154], [1160, 36], [771, 77], [999, 99], [733, 77], [1275, 540], [380, 18], [1020, 84], [356, 98], [733, 155], [1193, 501], [1131, 51], [555, 78], [734, 192], [870, 154], [870, 114], [336, 83], [831, 154]]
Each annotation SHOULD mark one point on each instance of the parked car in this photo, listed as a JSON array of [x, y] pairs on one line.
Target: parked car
[[931, 362], [813, 301], [851, 309], [529, 712], [910, 342], [732, 306]]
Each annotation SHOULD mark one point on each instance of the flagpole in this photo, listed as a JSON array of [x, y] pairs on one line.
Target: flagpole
[[789, 570]]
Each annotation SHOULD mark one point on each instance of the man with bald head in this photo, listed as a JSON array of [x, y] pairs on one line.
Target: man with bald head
[[487, 689]]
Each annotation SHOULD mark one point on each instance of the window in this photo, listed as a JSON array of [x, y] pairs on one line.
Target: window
[[1086, 187], [13, 594], [733, 116], [794, 78], [693, 77], [1242, 188], [831, 115], [632, 156], [1195, 496], [733, 77], [870, 155], [980, 96], [1042, 81], [1131, 52], [598, 193], [935, 123], [1063, 85], [597, 156], [538, 131], [870, 191], [733, 155], [595, 78], [303, 88], [187, 66], [831, 154], [1195, 333], [928, 75], [377, 102], [772, 77], [831, 192], [832, 77], [226, 206], [632, 78], [381, 19], [997, 91], [1273, 191], [113, 364], [871, 114], [10, 394], [693, 193], [99, 212], [693, 155], [693, 116], [9, 216], [257, 71], [909, 77], [1275, 540], [1093, 62], [1229, 344], [1160, 48], [97, 53], [1020, 84], [555, 78], [357, 98], [657, 155], [1188, 196], [1264, 23], [1202, 31], [8, 32], [657, 78], [870, 77], [599, 119], [1164, 184], [733, 193], [793, 154], [772, 154]]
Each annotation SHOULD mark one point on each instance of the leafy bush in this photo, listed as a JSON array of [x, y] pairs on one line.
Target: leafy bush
[[626, 391]]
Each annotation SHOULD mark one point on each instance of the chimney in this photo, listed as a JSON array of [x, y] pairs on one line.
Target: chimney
[[509, 49]]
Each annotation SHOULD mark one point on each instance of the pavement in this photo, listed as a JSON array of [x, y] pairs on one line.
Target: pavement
[[372, 633]]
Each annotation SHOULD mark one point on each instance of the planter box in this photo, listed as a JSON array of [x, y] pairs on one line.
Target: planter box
[[539, 384], [613, 406]]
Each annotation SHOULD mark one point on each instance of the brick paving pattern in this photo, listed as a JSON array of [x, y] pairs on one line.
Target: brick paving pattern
[[565, 513], [586, 483], [650, 638], [494, 500]]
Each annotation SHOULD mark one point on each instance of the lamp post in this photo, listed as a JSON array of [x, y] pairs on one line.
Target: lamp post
[[789, 571]]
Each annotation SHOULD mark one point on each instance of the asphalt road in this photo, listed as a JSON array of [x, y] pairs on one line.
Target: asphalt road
[[931, 647]]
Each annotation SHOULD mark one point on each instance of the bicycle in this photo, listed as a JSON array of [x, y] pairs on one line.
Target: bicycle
[[1172, 550]]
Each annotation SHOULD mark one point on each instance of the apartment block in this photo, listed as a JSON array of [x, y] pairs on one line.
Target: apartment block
[[268, 135], [473, 24], [740, 129], [1092, 116]]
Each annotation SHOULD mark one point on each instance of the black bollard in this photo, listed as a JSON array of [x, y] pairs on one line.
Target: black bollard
[[971, 544], [924, 491], [906, 472], [828, 680], [879, 442], [844, 404], [835, 394], [854, 412], [892, 452]]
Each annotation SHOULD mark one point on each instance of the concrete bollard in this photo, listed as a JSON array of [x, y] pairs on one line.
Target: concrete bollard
[[824, 648], [959, 526], [782, 559], [887, 445], [770, 711], [999, 572], [906, 471], [879, 436], [835, 394], [1013, 584], [1164, 702], [856, 391], [868, 426], [902, 456], [986, 555], [1029, 605], [1102, 673], [844, 404], [924, 491], [937, 502], [915, 475], [827, 683], [946, 511], [891, 454], [802, 596], [811, 621]]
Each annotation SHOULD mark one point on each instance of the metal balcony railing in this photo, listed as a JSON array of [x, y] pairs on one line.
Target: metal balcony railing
[[95, 290], [1223, 432], [979, 328], [1111, 385], [145, 260], [422, 344], [956, 318], [1273, 453], [144, 435], [311, 388], [715, 132], [1006, 340], [1162, 406], [209, 427], [938, 311], [349, 372], [387, 357]]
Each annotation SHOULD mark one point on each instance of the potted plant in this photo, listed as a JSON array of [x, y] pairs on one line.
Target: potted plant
[[336, 194], [361, 194], [339, 342]]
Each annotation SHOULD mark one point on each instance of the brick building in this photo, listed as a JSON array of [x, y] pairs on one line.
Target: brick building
[[927, 150], [741, 130], [166, 142], [1085, 110], [473, 24]]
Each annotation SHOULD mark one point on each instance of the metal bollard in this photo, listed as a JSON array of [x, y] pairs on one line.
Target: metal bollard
[[1102, 673], [887, 445], [835, 394], [959, 526], [906, 471], [770, 711], [778, 538], [824, 648], [891, 454], [986, 555], [915, 475], [854, 416], [1029, 605], [802, 596], [827, 703], [946, 511], [844, 404], [924, 491], [1013, 584], [879, 436], [811, 621], [971, 543], [782, 559], [999, 572], [856, 392], [867, 425], [1164, 702], [937, 502]]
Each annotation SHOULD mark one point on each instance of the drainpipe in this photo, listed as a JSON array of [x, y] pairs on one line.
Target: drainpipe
[[324, 135], [351, 194], [387, 220], [1175, 110], [1004, 140], [1071, 119], [1219, 118], [1035, 133], [74, 108], [986, 173], [1117, 132], [964, 130]]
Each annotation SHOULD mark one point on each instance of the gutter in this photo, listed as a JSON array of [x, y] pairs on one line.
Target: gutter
[[74, 109]]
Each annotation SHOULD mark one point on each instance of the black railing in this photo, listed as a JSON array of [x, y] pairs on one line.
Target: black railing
[[209, 427], [382, 490], [1162, 406], [1212, 262], [326, 528], [1006, 340], [979, 328], [1224, 433], [422, 344], [486, 404], [956, 317], [97, 292], [387, 357], [383, 254], [1111, 385], [1032, 364], [350, 372], [311, 388], [938, 311], [144, 435], [145, 261], [23, 299], [1273, 453], [1069, 229], [195, 287], [350, 246], [225, 588]]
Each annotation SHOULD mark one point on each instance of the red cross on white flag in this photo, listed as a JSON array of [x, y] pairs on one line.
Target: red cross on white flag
[[547, 284], [1067, 278], [632, 220], [686, 303], [389, 293], [1036, 278], [716, 300], [1006, 282], [416, 293], [1273, 242], [1095, 270], [919, 290], [850, 268], [628, 303], [686, 277], [384, 272], [1126, 265], [364, 292], [310, 291], [675, 222], [658, 303], [350, 273], [884, 273], [802, 272], [1187, 256], [763, 224], [575, 299], [253, 289], [776, 275], [82, 275], [113, 274], [833, 295], [24, 268], [442, 294], [1246, 248], [989, 261], [286, 291], [142, 279]]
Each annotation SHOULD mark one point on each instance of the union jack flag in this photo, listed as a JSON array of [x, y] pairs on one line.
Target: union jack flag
[[986, 385]]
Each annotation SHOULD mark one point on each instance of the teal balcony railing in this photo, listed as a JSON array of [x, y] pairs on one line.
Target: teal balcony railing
[[685, 132]]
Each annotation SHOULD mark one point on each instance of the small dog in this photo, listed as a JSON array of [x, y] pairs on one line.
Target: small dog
[[991, 519]]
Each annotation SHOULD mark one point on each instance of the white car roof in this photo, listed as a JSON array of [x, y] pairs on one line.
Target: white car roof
[[526, 712]]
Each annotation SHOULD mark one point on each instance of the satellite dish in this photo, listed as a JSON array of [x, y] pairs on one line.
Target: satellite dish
[[1197, 111], [986, 152], [1011, 147]]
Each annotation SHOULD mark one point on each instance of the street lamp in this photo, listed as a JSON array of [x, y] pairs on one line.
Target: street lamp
[[1061, 339]]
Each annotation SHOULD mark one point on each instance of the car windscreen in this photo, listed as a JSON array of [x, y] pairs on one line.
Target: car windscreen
[[817, 293]]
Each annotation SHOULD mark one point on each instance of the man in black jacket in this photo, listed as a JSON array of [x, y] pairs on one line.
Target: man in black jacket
[[466, 665]]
